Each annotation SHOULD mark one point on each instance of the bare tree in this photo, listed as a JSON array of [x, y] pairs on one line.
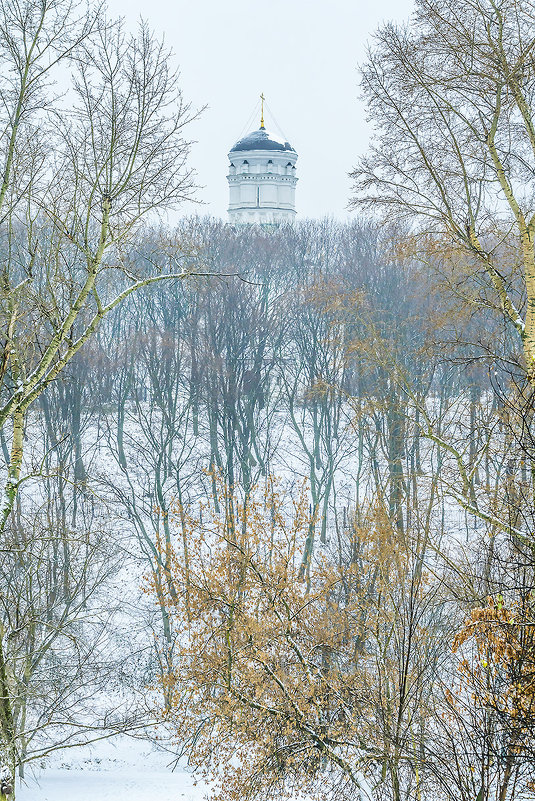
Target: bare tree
[[80, 170], [111, 157], [451, 96]]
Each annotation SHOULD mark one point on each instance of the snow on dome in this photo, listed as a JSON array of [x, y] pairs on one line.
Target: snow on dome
[[261, 140]]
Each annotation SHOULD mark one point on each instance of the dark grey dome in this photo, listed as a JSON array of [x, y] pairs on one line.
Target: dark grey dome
[[261, 140]]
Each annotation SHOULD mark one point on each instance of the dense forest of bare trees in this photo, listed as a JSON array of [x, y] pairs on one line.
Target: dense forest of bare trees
[[269, 493], [310, 447]]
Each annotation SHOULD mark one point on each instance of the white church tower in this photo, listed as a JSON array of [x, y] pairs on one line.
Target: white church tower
[[262, 178]]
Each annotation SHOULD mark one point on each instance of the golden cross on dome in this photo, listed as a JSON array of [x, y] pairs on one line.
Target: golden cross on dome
[[262, 98]]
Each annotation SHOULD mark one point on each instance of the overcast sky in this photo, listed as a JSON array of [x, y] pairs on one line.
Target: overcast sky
[[303, 54]]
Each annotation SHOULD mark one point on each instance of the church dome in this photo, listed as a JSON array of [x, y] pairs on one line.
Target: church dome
[[261, 140]]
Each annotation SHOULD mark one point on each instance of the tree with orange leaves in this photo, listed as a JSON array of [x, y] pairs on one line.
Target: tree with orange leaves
[[504, 642], [482, 743], [282, 686]]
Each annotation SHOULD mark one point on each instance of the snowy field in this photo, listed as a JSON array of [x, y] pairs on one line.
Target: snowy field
[[118, 770]]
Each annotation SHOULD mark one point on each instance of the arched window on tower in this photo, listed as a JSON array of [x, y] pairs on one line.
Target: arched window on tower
[[232, 169], [270, 166], [289, 168], [245, 166]]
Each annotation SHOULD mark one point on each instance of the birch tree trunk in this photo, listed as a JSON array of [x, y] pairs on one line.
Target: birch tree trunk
[[70, 199], [453, 98]]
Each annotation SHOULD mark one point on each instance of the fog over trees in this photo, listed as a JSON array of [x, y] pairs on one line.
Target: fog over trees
[[268, 493]]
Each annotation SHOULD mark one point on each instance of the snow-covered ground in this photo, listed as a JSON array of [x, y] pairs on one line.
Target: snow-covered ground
[[121, 769], [125, 769]]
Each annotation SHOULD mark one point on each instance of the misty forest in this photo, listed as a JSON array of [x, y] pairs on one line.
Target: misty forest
[[268, 492]]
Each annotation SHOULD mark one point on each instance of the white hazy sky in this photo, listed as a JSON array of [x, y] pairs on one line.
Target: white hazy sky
[[303, 54]]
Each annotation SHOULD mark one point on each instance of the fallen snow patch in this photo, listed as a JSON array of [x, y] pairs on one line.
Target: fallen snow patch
[[118, 770]]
